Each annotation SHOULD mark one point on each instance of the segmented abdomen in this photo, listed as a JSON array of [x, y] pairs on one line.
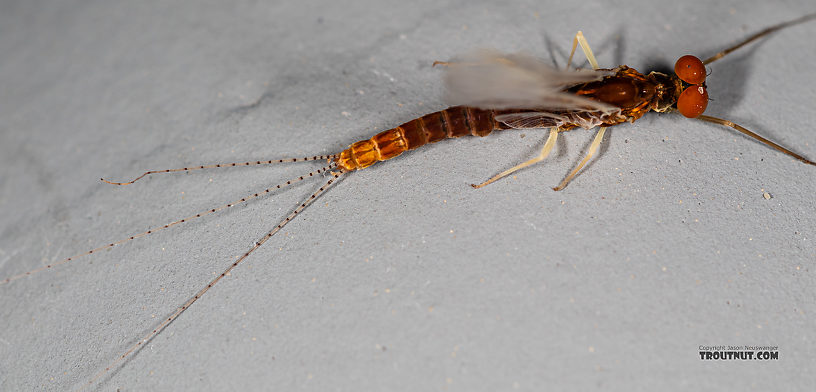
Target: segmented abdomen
[[452, 122]]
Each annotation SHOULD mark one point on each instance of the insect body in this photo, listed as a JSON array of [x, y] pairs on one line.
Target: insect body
[[520, 92], [545, 98], [492, 92], [633, 93]]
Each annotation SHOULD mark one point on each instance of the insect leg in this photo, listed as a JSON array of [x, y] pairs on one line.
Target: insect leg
[[579, 39], [777, 147], [206, 288], [592, 148], [758, 36], [548, 146]]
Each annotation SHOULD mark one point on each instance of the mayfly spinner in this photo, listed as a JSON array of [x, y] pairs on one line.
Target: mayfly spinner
[[493, 92]]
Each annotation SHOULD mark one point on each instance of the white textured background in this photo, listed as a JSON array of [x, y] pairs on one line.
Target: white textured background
[[402, 277]]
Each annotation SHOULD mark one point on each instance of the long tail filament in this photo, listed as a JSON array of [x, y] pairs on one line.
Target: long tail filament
[[179, 311], [218, 165], [189, 218]]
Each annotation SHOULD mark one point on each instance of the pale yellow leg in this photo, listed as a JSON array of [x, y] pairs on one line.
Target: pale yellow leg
[[579, 39], [548, 146], [592, 148]]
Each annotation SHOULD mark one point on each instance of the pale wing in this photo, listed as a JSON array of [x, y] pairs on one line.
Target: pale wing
[[490, 80], [527, 120]]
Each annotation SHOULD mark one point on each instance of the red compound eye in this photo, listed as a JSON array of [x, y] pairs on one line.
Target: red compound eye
[[692, 101], [690, 69]]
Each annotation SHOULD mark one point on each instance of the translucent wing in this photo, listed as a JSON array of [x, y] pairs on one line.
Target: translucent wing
[[490, 80], [528, 120]]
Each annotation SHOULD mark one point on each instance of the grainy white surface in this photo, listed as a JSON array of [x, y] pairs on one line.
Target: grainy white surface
[[402, 277]]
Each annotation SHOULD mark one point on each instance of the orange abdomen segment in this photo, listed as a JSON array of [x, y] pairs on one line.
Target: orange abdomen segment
[[449, 123]]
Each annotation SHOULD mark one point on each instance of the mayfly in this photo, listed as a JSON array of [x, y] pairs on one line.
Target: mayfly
[[491, 92]]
